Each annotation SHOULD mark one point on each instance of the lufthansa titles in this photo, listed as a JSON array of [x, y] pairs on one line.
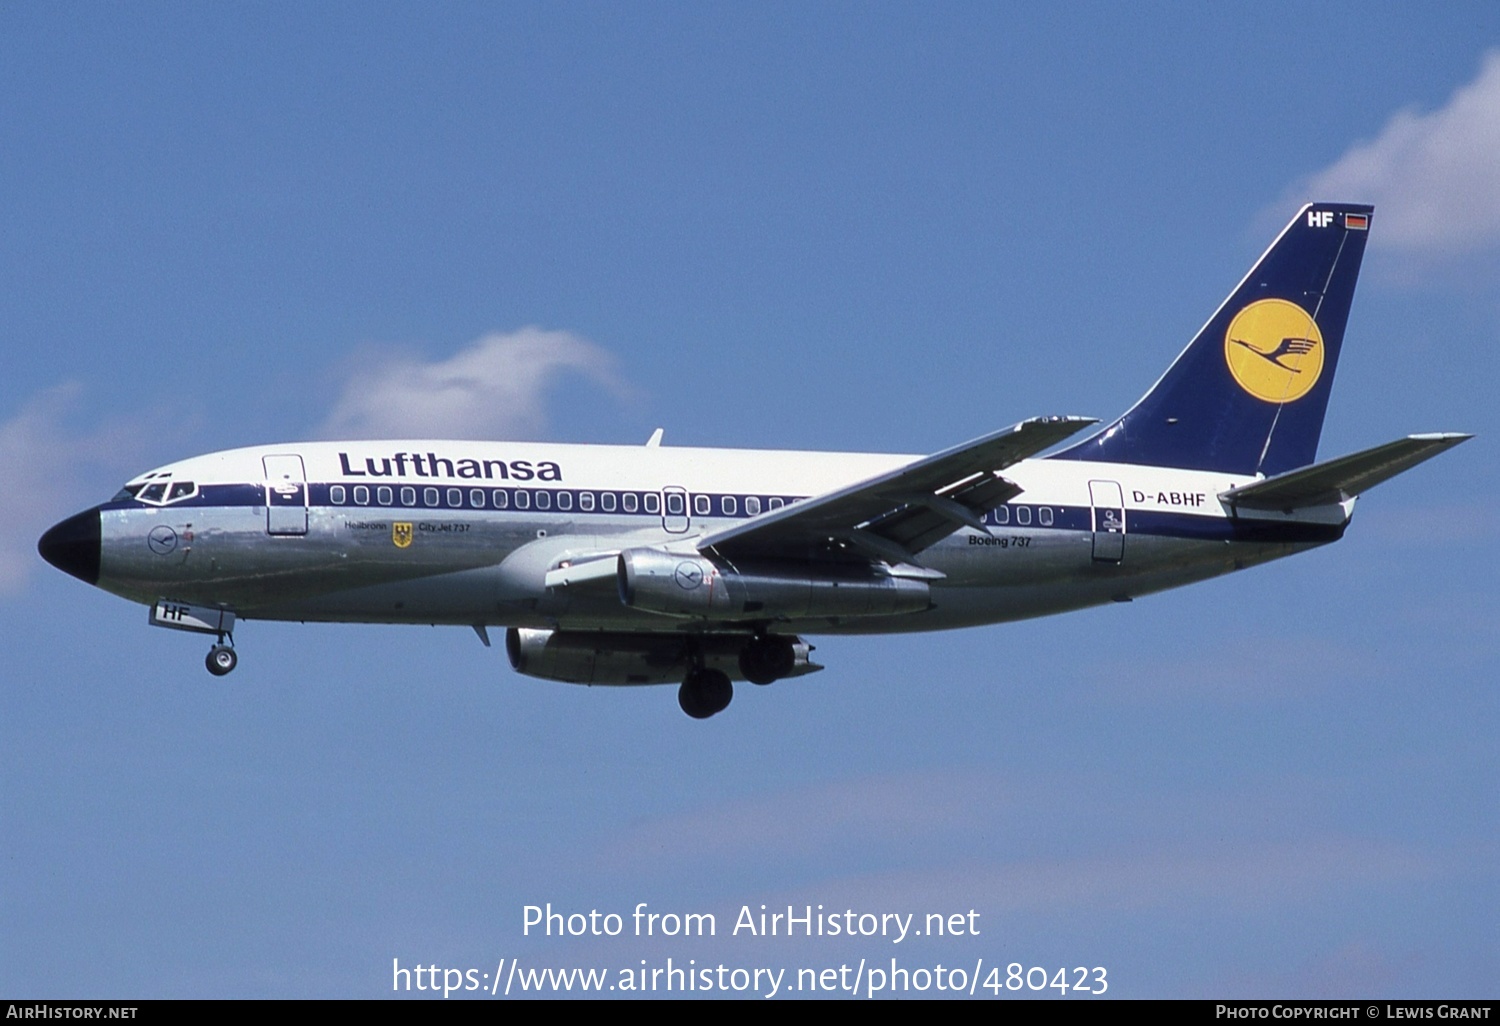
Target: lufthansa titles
[[430, 464]]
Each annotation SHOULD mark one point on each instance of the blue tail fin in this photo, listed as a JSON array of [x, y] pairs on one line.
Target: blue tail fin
[[1249, 392]]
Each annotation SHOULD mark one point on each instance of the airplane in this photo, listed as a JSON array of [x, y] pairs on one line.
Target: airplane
[[655, 564]]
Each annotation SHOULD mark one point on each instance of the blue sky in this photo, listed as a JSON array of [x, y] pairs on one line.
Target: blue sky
[[865, 227]]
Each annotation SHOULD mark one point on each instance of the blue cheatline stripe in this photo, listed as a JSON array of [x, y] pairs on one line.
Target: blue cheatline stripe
[[570, 502], [1188, 525]]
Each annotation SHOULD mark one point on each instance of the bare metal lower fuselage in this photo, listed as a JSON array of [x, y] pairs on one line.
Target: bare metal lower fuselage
[[488, 567]]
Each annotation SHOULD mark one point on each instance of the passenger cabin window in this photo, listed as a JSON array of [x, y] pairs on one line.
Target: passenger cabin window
[[702, 505], [1002, 515], [752, 505], [676, 504], [429, 496], [586, 501], [408, 496], [630, 502], [564, 500], [776, 502], [607, 502], [500, 498], [336, 495], [543, 499], [361, 495], [523, 499], [383, 495], [652, 502], [476, 498], [1023, 515], [729, 505], [455, 497], [1044, 516]]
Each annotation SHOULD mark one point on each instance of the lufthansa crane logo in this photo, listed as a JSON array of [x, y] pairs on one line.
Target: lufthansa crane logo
[[689, 575], [1274, 350]]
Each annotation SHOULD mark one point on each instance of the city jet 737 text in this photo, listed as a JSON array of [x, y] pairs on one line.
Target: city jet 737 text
[[662, 564]]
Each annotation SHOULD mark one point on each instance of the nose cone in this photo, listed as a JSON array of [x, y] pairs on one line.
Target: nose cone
[[73, 546]]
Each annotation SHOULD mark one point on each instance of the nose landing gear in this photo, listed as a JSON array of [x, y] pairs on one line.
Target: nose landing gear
[[221, 659], [215, 620]]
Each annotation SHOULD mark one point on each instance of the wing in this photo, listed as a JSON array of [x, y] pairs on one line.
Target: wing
[[895, 515]]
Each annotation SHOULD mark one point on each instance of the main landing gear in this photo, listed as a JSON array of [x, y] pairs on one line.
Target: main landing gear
[[764, 659], [767, 658], [705, 691]]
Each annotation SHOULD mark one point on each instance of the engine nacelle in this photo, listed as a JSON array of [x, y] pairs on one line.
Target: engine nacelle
[[599, 657], [694, 586]]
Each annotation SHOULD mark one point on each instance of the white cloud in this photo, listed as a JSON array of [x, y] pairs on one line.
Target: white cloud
[[1434, 178], [45, 464], [496, 388]]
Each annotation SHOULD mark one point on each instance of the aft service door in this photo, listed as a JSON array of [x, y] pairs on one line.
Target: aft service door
[[286, 495], [674, 509], [1109, 521]]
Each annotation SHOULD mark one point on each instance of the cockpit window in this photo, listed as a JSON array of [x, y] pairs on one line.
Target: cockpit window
[[159, 493]]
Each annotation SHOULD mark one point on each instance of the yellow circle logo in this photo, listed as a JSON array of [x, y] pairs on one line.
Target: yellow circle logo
[[1274, 350]]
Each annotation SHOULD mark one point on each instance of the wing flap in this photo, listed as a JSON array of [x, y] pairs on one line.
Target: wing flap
[[925, 520], [907, 509], [1339, 479]]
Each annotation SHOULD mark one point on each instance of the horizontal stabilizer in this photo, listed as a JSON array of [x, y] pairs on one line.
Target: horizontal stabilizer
[[1337, 480]]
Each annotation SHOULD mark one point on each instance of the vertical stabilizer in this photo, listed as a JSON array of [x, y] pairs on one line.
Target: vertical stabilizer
[[1249, 392]]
